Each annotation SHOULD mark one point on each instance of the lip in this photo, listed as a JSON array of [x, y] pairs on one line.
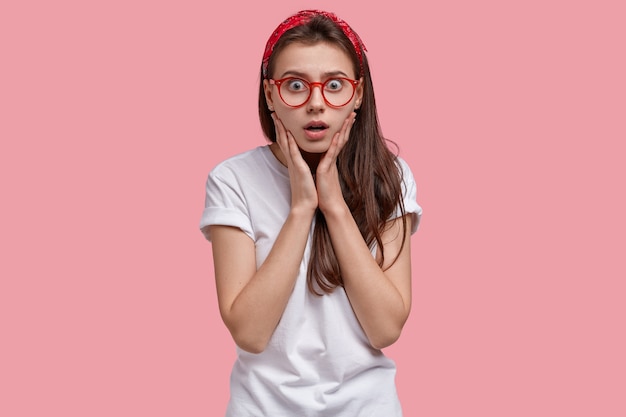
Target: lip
[[316, 134]]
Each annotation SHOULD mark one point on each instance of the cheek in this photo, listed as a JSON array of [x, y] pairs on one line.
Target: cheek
[[341, 118], [285, 114]]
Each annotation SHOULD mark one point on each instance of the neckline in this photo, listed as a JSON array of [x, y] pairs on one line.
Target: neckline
[[274, 161]]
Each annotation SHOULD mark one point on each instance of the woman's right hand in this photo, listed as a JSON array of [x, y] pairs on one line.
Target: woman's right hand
[[303, 191]]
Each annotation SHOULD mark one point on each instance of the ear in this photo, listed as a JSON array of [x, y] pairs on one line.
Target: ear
[[359, 94], [267, 88]]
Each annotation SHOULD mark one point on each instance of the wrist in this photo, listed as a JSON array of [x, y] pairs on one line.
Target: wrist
[[302, 213], [336, 211]]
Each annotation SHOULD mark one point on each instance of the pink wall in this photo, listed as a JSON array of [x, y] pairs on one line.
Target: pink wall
[[512, 117]]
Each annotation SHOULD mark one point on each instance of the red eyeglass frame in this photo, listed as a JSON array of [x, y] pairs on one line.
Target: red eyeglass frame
[[277, 83]]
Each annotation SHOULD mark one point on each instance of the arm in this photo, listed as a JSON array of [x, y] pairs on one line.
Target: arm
[[380, 297], [252, 301]]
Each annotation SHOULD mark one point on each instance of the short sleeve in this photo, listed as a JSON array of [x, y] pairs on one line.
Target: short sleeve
[[224, 203], [409, 194]]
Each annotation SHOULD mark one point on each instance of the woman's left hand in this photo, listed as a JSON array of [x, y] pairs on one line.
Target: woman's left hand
[[329, 192]]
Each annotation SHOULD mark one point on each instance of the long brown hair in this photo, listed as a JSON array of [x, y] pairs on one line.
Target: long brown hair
[[370, 178]]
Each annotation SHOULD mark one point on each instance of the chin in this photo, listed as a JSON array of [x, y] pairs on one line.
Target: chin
[[315, 147]]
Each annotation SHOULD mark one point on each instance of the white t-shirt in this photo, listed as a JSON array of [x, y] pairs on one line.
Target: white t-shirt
[[318, 361]]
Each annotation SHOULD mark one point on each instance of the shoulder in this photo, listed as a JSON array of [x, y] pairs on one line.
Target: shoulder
[[245, 167], [251, 173], [239, 161]]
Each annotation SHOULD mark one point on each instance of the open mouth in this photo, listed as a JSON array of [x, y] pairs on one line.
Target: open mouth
[[316, 126]]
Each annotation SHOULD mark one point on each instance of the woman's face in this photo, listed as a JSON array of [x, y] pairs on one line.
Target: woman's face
[[314, 123]]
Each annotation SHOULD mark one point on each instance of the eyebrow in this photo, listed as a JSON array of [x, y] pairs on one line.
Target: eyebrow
[[325, 75]]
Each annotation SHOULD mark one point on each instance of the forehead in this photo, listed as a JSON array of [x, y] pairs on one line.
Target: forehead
[[313, 60]]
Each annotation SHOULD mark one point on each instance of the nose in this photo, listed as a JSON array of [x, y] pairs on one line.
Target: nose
[[316, 101]]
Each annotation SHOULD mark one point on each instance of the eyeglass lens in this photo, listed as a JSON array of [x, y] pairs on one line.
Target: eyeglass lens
[[336, 91]]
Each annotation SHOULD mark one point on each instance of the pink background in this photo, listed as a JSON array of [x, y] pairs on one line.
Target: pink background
[[511, 114]]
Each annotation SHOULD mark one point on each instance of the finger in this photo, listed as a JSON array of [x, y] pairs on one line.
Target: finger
[[295, 156], [340, 138], [330, 157], [279, 127], [294, 151], [281, 137], [346, 129]]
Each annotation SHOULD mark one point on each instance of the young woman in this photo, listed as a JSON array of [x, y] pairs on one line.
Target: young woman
[[310, 235]]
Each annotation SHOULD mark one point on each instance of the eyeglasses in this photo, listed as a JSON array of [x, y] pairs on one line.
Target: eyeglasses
[[295, 92]]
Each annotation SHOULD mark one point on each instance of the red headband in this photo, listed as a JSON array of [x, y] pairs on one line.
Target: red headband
[[302, 18]]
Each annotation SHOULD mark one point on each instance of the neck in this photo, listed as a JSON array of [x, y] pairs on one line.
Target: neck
[[312, 159]]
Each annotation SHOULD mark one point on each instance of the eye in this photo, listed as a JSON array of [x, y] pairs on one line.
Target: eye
[[334, 85], [296, 84]]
